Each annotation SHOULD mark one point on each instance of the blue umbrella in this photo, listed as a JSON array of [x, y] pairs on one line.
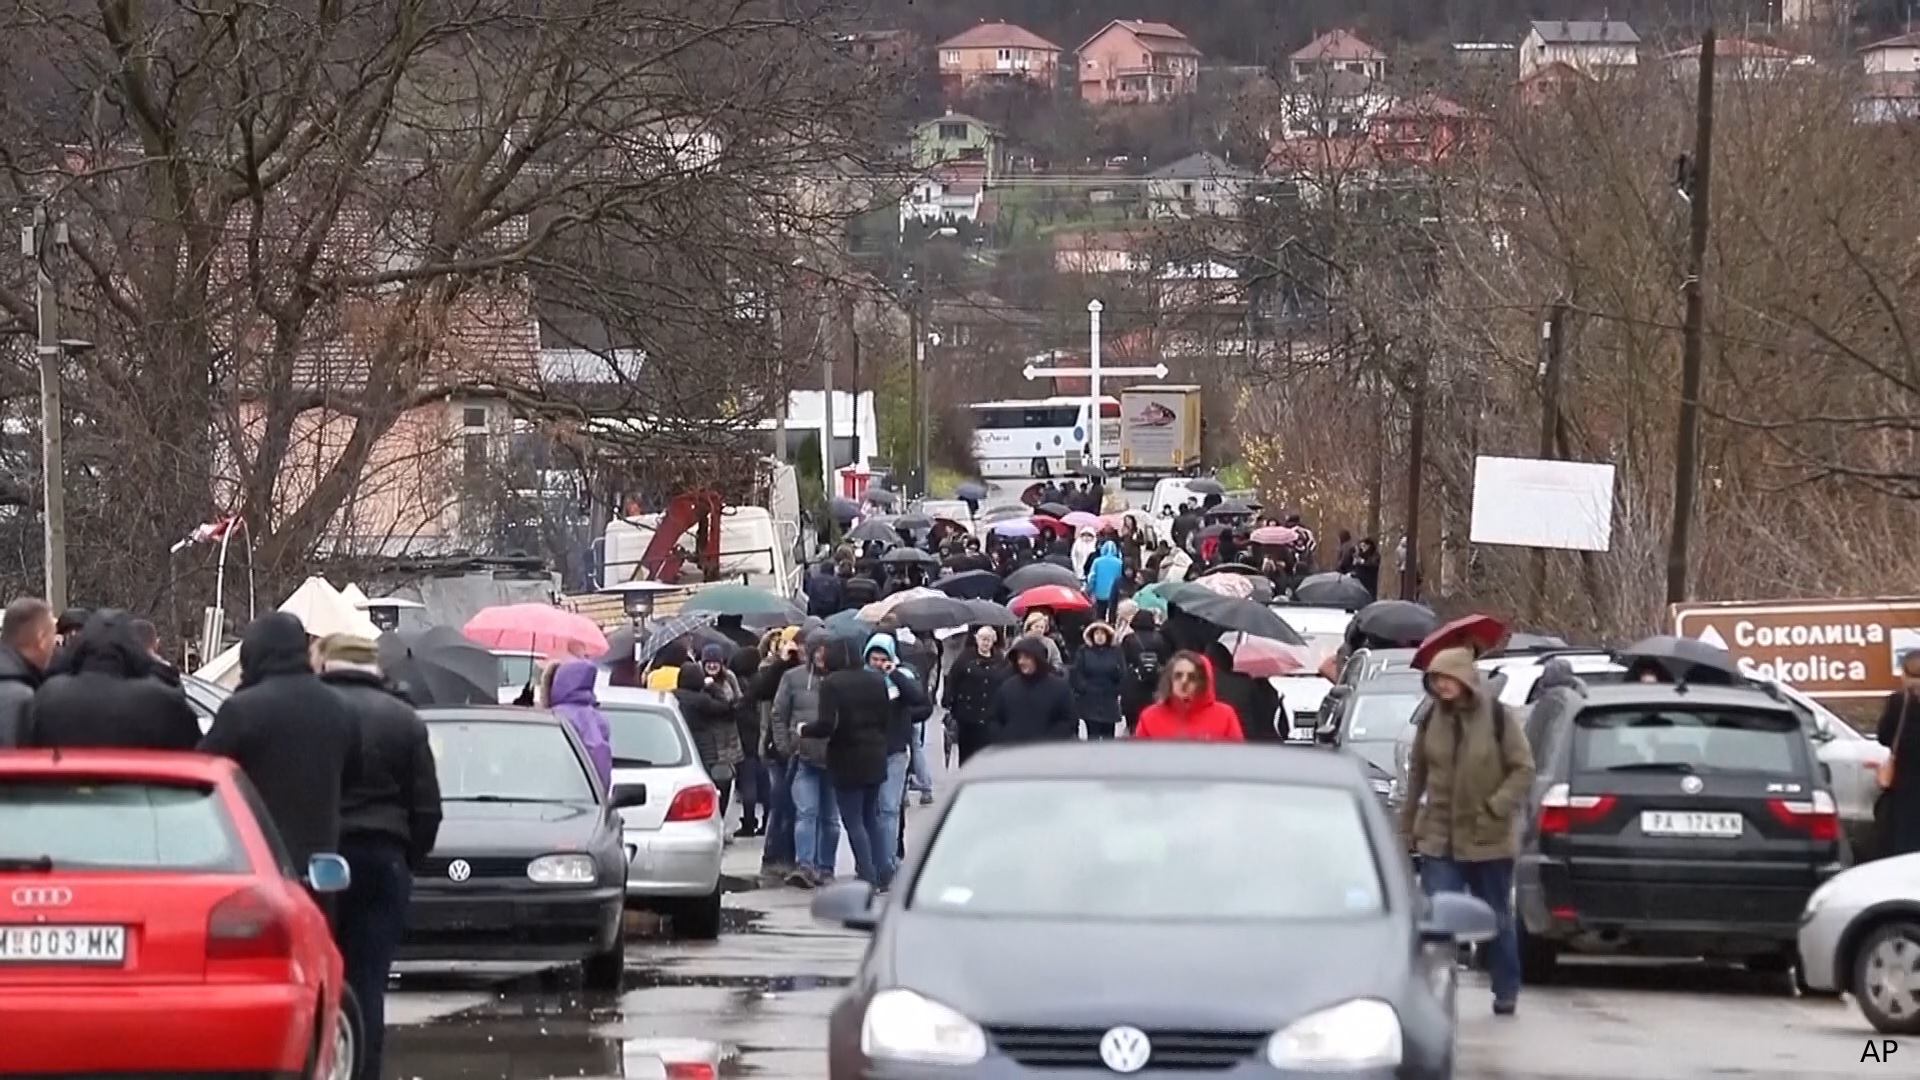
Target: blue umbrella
[[844, 511], [970, 491]]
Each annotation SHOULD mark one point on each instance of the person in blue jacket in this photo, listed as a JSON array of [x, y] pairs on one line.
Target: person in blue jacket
[[909, 705], [1103, 581]]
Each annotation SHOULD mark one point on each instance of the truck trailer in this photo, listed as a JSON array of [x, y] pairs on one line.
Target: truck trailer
[[1159, 433]]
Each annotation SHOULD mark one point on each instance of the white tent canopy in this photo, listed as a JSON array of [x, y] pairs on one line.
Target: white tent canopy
[[320, 607], [352, 595]]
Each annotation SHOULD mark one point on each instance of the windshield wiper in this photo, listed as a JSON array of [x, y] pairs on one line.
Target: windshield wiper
[[37, 863], [634, 763], [499, 799], [1653, 766]]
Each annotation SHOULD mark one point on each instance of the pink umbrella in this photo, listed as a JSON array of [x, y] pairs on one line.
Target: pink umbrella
[[1080, 519], [1238, 586], [1264, 658], [536, 628], [1277, 535]]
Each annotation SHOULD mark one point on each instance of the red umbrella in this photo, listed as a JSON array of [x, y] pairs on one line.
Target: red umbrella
[[1056, 597], [1263, 658], [1477, 632], [1050, 524], [539, 628]]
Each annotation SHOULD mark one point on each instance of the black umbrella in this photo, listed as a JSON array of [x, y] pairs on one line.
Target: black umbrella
[[915, 522], [1262, 590], [1521, 641], [440, 666], [1685, 659], [969, 491], [1034, 575], [1206, 486], [620, 643], [1214, 530], [972, 585], [1231, 568], [1332, 589], [659, 632], [1394, 623], [1230, 613], [907, 556], [774, 620], [988, 613], [1003, 512], [880, 496], [1053, 509], [1230, 508], [930, 613], [843, 510], [875, 530], [1064, 562]]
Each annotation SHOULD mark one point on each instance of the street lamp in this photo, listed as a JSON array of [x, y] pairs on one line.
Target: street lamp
[[637, 598]]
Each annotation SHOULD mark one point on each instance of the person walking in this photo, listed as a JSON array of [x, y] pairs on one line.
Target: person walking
[[782, 654], [570, 694], [1147, 654], [907, 708], [297, 740], [1098, 677], [1035, 703], [968, 697], [1104, 575], [740, 664], [709, 717], [102, 692], [27, 639], [389, 819], [149, 637], [1187, 709], [816, 815], [855, 706], [1467, 780], [921, 657], [1899, 732]]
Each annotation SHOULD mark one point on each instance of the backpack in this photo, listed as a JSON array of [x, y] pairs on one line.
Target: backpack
[[1147, 668]]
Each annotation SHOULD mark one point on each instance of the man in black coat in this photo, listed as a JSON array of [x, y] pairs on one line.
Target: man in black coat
[[295, 738], [102, 692], [389, 819], [27, 639], [855, 707], [1035, 704]]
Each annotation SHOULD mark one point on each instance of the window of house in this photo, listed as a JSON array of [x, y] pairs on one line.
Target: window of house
[[1006, 54], [1186, 191], [474, 417], [950, 58], [953, 132], [473, 449]]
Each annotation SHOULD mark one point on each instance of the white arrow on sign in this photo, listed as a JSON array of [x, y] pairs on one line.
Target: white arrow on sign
[[1157, 371]]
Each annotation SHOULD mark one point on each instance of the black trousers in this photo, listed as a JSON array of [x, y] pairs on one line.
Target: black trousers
[[371, 920]]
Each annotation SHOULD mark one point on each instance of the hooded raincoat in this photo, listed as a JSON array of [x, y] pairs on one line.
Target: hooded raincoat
[[1201, 718], [1099, 676], [1474, 778], [1035, 707], [573, 698], [1103, 578]]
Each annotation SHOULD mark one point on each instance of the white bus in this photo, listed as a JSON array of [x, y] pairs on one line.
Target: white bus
[[1034, 438]]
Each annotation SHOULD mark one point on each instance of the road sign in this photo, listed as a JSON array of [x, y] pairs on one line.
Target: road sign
[[1823, 648], [1157, 371]]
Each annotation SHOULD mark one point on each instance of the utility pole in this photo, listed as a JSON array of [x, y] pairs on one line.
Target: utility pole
[[919, 360], [827, 479], [1696, 185], [923, 460], [39, 243], [785, 401], [1552, 348], [1094, 308], [1416, 468]]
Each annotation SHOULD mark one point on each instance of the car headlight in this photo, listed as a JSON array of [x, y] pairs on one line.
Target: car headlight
[[900, 1025], [1359, 1034], [1381, 785], [563, 870]]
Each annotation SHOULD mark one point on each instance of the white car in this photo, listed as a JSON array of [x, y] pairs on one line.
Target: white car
[[674, 841], [1860, 934], [1325, 629]]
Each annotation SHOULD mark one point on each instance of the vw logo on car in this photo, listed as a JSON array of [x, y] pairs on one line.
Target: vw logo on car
[[459, 870], [1692, 785], [1125, 1049], [42, 896]]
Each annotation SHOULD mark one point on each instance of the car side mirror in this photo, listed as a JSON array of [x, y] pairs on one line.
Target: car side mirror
[[1458, 919], [852, 904], [1826, 773], [328, 874], [626, 795], [1822, 734], [1338, 692]]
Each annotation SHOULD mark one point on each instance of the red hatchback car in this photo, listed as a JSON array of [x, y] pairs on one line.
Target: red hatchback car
[[150, 924]]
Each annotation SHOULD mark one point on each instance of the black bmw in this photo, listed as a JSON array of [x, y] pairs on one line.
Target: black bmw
[[529, 865], [1183, 909]]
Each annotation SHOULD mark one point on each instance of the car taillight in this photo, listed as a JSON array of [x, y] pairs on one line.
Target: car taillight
[[249, 925], [1817, 817], [690, 1070], [694, 803], [1561, 810]]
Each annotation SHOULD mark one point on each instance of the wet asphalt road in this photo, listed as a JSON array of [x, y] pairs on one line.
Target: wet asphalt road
[[756, 1000]]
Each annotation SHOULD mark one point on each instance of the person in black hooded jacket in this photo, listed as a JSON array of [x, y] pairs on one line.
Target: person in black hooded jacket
[[1147, 653], [103, 693], [855, 708], [971, 683], [1098, 677], [1035, 704], [295, 738]]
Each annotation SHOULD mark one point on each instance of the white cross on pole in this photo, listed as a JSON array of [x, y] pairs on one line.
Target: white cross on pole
[[1093, 373]]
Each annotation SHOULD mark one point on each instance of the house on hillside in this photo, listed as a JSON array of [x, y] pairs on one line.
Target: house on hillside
[[1736, 58], [1338, 51], [948, 195], [1892, 71], [1593, 47], [1424, 130], [1131, 62], [1485, 55], [879, 46], [1100, 251], [1551, 83], [997, 52], [957, 137], [1332, 105], [1197, 185]]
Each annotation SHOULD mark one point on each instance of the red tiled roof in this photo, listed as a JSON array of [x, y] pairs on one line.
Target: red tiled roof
[[1320, 155], [1338, 45], [1158, 37], [998, 35], [1734, 47], [1427, 106]]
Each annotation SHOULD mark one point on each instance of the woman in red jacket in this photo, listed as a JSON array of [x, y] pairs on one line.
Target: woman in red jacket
[[1187, 708]]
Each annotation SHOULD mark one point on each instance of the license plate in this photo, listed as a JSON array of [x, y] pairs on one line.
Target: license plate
[[1691, 823], [63, 944]]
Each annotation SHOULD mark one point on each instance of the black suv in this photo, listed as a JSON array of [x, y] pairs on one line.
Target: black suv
[[1674, 820]]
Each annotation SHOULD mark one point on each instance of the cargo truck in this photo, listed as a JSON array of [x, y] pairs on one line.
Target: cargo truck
[[1159, 433]]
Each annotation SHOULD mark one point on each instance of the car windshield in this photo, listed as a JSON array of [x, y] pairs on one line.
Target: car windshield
[[507, 761], [1151, 849], [1689, 741], [1317, 644], [644, 736], [117, 824], [1381, 717], [516, 670]]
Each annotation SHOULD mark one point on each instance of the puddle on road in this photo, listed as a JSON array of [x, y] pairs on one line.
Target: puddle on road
[[538, 1048], [647, 979]]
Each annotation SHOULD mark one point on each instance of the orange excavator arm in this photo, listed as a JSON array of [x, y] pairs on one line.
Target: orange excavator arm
[[697, 510]]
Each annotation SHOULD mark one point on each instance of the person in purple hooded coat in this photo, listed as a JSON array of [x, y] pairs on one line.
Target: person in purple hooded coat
[[573, 698]]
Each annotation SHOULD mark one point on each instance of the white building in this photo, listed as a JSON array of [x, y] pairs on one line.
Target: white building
[[853, 415], [1587, 46], [941, 200]]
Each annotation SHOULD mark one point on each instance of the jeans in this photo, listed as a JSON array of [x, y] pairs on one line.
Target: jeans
[[816, 818], [860, 815], [1106, 610], [372, 919], [781, 843], [750, 783], [1491, 880], [917, 762], [893, 795]]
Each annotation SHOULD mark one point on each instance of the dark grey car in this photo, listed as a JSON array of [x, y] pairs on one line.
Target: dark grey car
[[1103, 908], [1370, 720]]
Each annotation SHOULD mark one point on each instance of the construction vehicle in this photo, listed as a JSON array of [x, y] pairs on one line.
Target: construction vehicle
[[754, 545]]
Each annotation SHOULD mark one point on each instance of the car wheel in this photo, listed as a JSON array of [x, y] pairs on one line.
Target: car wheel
[[348, 1037], [1884, 976], [607, 970], [698, 920], [1539, 959]]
